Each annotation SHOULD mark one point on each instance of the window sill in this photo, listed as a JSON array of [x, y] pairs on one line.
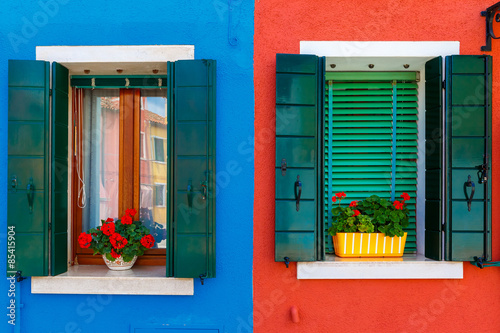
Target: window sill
[[407, 267], [98, 279]]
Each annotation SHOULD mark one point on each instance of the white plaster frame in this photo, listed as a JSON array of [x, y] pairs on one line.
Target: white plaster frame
[[105, 60], [386, 56]]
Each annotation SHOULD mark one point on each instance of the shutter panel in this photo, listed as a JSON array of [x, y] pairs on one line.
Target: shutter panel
[[359, 158], [59, 169], [193, 167], [468, 138], [28, 167], [433, 158], [297, 91]]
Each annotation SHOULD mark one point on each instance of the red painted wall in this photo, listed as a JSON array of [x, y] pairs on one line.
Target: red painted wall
[[468, 305]]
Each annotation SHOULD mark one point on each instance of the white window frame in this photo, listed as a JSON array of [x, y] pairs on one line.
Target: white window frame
[[385, 56], [105, 60]]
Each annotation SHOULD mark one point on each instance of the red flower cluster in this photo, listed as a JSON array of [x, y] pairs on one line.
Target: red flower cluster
[[405, 196], [108, 228], [114, 254], [148, 241], [109, 219], [399, 205], [353, 203], [118, 241], [131, 212], [339, 196], [356, 213], [126, 219], [84, 240]]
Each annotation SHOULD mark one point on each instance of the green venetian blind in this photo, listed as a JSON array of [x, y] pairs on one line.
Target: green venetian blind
[[360, 137]]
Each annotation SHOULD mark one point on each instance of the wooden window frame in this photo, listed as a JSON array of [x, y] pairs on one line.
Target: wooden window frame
[[129, 168]]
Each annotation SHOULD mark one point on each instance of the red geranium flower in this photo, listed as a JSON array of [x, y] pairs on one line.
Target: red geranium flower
[[114, 254], [84, 240], [118, 241], [109, 219], [353, 203], [340, 195], [398, 205], [356, 213], [131, 212], [148, 241], [334, 199], [126, 219], [405, 196], [108, 228]]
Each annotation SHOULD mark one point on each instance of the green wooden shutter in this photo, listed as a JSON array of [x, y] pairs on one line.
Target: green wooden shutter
[[433, 158], [59, 170], [358, 158], [193, 167], [37, 199], [468, 144], [28, 167], [298, 83]]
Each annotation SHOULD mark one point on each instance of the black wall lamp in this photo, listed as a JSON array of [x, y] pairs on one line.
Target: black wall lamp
[[490, 14]]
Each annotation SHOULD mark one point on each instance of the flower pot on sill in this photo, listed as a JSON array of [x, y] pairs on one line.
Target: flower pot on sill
[[119, 264], [356, 244]]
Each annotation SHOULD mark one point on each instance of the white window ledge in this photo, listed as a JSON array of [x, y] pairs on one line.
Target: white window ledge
[[407, 267], [98, 279]]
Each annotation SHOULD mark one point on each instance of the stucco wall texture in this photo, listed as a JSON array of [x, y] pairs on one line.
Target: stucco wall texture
[[468, 305]]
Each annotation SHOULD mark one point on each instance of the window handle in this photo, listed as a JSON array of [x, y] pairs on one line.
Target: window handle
[[298, 191], [13, 183], [469, 183], [30, 189], [190, 194], [204, 189]]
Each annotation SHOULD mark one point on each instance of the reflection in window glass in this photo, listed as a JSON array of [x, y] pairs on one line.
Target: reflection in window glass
[[100, 155], [159, 149], [154, 210]]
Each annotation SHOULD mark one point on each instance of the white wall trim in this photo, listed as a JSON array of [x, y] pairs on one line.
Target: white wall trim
[[92, 279], [115, 53], [105, 60], [408, 267], [379, 49]]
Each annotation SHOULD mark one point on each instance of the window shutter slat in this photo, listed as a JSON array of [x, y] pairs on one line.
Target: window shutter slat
[[297, 90], [28, 168], [193, 167]]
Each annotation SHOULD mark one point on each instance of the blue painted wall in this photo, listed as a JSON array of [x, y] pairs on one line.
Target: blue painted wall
[[221, 30]]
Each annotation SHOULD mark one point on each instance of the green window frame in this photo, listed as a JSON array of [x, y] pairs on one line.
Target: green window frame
[[300, 102], [38, 165]]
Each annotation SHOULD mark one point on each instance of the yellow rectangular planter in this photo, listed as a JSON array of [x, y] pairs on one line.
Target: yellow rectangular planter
[[356, 244]]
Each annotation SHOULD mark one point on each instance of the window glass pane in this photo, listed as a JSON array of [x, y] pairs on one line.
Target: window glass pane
[[100, 153], [154, 210]]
